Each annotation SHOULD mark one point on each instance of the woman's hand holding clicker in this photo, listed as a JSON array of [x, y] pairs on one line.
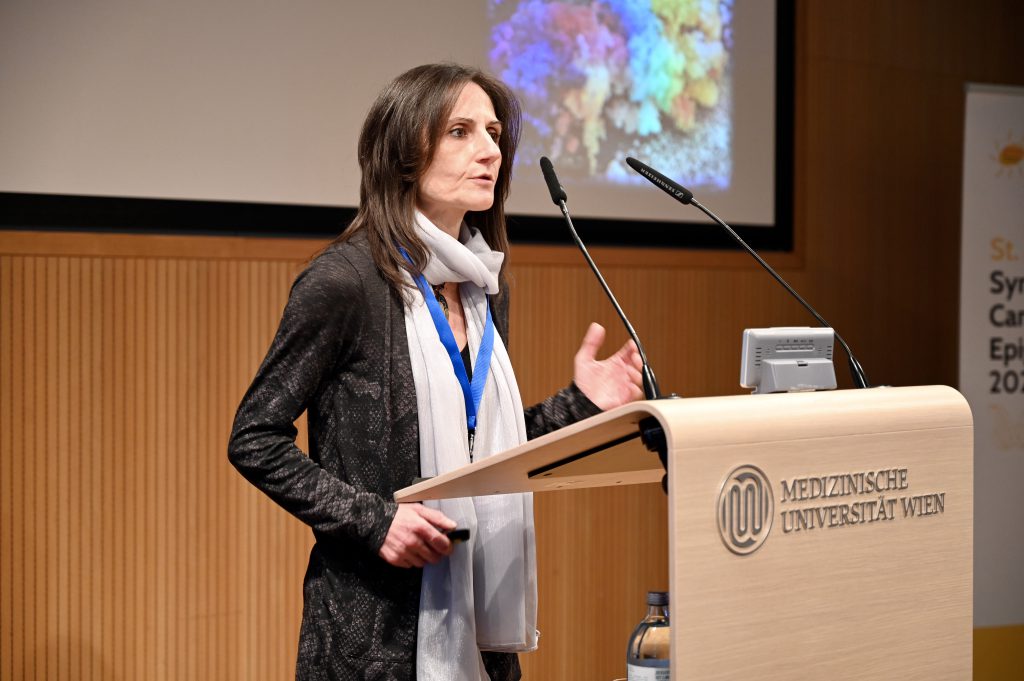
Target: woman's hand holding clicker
[[416, 536]]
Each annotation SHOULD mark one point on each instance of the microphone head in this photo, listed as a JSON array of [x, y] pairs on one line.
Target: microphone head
[[673, 189], [557, 193]]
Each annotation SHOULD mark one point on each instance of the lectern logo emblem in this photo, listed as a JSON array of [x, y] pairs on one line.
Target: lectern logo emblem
[[745, 510]]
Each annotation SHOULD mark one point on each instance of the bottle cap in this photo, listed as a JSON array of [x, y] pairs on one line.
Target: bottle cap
[[657, 598]]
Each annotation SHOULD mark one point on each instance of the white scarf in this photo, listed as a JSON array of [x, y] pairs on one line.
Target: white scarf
[[484, 595]]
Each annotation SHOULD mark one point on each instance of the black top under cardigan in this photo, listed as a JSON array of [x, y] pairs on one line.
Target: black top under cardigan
[[341, 355]]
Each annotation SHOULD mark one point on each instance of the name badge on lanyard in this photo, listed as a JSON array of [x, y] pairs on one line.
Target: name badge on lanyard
[[472, 391]]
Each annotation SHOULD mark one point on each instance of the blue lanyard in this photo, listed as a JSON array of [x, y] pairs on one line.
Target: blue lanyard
[[473, 392]]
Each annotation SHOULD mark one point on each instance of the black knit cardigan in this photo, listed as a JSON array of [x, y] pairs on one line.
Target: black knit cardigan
[[341, 355]]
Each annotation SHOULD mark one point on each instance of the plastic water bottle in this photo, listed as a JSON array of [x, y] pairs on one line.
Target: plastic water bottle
[[647, 656]]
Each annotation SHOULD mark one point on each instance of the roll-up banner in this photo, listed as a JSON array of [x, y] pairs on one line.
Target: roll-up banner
[[992, 344]]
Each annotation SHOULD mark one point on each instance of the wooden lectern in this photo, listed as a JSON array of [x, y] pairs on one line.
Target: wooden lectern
[[824, 535]]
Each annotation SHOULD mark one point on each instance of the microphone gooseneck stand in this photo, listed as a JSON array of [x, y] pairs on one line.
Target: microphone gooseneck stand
[[651, 432], [685, 197]]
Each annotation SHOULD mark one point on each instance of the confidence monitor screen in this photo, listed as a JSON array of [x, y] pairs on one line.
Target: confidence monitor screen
[[262, 102]]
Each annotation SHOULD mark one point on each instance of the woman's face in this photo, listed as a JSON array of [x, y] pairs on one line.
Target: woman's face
[[464, 170]]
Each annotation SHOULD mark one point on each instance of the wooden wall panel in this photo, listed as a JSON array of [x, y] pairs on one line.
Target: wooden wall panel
[[879, 146], [129, 548], [148, 557]]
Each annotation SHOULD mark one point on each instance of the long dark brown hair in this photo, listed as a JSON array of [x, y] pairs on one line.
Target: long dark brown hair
[[396, 146]]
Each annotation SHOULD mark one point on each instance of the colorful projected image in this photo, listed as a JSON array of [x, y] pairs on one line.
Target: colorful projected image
[[601, 80]]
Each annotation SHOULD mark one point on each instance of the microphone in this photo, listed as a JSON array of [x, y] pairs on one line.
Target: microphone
[[685, 196], [554, 188], [559, 198], [676, 191]]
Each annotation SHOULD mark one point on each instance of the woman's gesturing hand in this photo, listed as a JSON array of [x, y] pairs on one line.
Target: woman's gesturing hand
[[415, 536], [610, 382]]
